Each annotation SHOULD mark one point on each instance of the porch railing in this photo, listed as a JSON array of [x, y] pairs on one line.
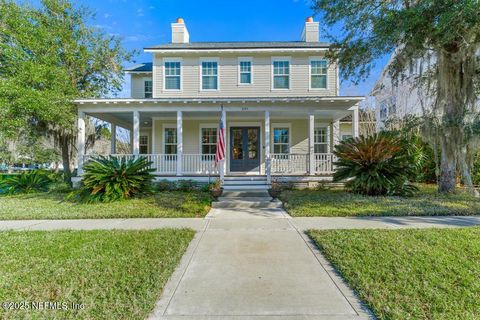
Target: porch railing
[[197, 164], [324, 163], [289, 163], [299, 163], [201, 164]]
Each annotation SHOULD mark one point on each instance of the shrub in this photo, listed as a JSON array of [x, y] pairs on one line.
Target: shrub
[[187, 185], [165, 185], [107, 179], [26, 182], [375, 165]]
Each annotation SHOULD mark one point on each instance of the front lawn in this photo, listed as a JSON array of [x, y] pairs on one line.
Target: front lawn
[[338, 203], [112, 274], [409, 274], [173, 204]]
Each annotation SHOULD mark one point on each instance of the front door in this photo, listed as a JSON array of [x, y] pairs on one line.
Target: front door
[[244, 148]]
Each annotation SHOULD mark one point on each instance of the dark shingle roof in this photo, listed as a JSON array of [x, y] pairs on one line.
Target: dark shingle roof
[[241, 45], [142, 67]]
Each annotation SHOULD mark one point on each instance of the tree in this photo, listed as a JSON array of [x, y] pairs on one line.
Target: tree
[[448, 30], [51, 56]]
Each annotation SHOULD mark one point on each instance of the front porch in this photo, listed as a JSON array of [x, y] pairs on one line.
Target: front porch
[[284, 138]]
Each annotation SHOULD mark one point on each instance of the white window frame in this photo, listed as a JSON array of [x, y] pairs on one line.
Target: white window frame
[[144, 91], [204, 126], [310, 59], [346, 134], [272, 135], [180, 60], [327, 128], [167, 126], [245, 59], [140, 144], [272, 75], [201, 61]]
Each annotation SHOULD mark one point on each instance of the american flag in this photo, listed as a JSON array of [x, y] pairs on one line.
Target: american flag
[[220, 155]]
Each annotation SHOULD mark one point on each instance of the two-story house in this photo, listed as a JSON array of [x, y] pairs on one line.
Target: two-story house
[[280, 100]]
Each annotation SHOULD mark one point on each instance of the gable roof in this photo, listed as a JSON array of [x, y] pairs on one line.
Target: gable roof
[[142, 67], [241, 45]]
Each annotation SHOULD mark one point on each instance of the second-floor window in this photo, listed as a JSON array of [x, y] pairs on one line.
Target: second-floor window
[[245, 72], [281, 74], [209, 75], [148, 88], [318, 74], [172, 75]]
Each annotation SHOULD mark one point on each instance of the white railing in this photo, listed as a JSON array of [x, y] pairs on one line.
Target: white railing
[[203, 164], [289, 163], [324, 163], [163, 163], [198, 164]]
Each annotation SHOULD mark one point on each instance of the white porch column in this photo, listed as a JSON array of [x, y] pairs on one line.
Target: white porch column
[[113, 139], [223, 163], [268, 164], [336, 132], [179, 142], [136, 133], [311, 144], [355, 122], [80, 142]]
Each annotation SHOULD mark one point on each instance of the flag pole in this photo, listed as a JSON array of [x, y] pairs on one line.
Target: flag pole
[[222, 162]]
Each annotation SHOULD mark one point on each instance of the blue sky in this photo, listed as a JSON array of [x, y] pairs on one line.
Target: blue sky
[[143, 23]]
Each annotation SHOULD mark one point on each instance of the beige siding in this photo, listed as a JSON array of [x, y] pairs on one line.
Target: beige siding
[[228, 77], [137, 85]]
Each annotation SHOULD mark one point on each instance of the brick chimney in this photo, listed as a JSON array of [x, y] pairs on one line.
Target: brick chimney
[[180, 32], [311, 31]]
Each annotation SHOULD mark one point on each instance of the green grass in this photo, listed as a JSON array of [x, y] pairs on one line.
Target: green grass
[[409, 274], [338, 203], [114, 274], [174, 204]]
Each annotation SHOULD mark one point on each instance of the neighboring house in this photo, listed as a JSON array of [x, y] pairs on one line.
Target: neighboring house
[[280, 100], [395, 100]]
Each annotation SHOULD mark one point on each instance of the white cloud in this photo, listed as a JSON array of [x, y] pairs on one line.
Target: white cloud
[[137, 37], [151, 7], [140, 13], [107, 15]]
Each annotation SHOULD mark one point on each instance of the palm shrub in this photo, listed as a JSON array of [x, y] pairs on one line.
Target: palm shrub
[[26, 182], [107, 179], [375, 165]]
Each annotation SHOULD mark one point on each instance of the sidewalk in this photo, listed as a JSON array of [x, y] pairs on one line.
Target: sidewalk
[[248, 217]]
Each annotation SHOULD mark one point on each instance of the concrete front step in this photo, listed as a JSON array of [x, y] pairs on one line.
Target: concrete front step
[[244, 182], [243, 193], [246, 187], [243, 204], [244, 178]]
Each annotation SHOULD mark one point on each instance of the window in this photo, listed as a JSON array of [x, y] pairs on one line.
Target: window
[[346, 137], [318, 74], [172, 75], [143, 144], [245, 72], [321, 140], [148, 88], [209, 75], [281, 74], [170, 140], [281, 140], [209, 140]]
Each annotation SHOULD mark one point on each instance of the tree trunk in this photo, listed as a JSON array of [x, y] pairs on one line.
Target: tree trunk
[[450, 103], [448, 167], [67, 172]]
